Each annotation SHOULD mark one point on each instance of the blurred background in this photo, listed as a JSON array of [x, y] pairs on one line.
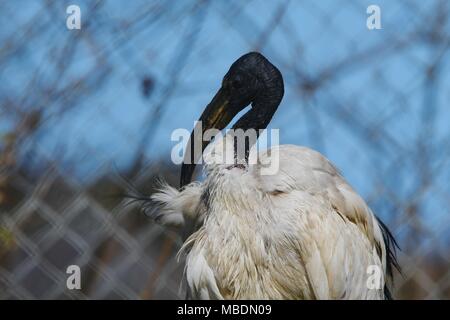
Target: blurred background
[[85, 113]]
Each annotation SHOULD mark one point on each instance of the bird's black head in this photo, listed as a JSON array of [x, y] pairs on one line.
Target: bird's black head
[[251, 79]]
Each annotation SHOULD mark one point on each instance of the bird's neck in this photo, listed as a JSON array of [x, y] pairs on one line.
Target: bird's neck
[[233, 191], [256, 120]]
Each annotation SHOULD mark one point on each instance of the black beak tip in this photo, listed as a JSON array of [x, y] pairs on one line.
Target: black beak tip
[[187, 171]]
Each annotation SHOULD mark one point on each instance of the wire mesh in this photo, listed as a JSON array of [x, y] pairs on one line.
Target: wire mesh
[[82, 108]]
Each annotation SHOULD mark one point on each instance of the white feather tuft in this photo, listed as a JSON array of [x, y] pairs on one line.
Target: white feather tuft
[[173, 206]]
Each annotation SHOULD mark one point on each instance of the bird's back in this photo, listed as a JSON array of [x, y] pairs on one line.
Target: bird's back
[[300, 233]]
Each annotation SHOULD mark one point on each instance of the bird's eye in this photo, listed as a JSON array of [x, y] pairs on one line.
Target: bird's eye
[[237, 82]]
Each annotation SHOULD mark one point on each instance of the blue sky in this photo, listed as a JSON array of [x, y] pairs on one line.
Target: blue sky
[[384, 89]]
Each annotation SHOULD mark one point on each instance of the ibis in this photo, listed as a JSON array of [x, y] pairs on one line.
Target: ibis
[[301, 232]]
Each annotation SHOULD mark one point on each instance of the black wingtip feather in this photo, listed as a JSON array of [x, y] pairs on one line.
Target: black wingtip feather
[[391, 255]]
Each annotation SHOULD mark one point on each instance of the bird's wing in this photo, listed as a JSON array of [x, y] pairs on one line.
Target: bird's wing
[[308, 173]]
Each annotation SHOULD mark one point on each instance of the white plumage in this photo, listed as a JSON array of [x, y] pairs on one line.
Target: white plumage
[[303, 233]]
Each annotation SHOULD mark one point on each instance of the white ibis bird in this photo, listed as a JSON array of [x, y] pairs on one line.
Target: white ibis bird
[[300, 233]]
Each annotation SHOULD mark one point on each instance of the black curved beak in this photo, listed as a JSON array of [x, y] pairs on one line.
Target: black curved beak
[[217, 115]]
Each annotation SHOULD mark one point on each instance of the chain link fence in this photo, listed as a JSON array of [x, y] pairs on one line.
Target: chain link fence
[[87, 113]]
